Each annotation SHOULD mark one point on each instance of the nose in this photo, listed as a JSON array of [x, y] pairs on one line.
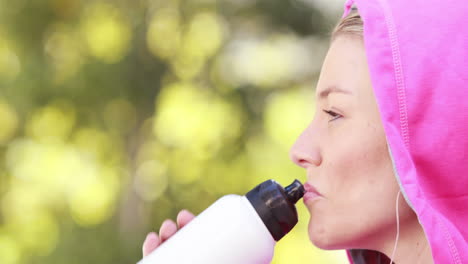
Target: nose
[[305, 151]]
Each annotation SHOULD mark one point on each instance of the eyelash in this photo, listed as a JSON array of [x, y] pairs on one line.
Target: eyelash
[[332, 114]]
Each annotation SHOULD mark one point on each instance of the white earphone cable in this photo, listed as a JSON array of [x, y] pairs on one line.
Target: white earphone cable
[[398, 228]]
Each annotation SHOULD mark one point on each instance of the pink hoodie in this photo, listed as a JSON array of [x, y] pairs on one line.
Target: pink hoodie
[[417, 53]]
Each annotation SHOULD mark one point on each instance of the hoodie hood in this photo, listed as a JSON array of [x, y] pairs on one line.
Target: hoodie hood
[[417, 54]]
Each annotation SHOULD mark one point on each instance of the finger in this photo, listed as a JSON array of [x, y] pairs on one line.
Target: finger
[[168, 228], [151, 243], [184, 217]]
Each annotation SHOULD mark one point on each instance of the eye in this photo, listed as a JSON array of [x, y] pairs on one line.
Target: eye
[[332, 114]]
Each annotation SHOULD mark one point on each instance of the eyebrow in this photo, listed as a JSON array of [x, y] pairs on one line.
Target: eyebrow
[[332, 89]]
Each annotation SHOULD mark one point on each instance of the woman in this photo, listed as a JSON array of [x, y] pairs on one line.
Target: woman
[[388, 146]]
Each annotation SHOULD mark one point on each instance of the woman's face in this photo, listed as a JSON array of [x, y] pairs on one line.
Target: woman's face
[[345, 154]]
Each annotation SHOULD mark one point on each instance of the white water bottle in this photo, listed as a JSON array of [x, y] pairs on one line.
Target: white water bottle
[[235, 229]]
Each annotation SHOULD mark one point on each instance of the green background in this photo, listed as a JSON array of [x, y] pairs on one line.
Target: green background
[[115, 115]]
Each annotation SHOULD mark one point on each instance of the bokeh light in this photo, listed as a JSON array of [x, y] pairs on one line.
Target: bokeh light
[[93, 199], [65, 52], [53, 122], [203, 37], [191, 117], [164, 33], [115, 115], [106, 32], [271, 61], [9, 250], [292, 109]]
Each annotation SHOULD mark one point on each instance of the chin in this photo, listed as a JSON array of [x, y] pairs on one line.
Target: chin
[[321, 238], [325, 244], [336, 239]]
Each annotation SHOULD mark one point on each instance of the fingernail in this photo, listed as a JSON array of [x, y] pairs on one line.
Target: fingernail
[[151, 234], [166, 223]]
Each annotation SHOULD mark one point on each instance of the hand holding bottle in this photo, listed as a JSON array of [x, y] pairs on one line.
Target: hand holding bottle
[[168, 229]]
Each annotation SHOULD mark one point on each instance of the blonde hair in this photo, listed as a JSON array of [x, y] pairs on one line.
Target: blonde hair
[[350, 25]]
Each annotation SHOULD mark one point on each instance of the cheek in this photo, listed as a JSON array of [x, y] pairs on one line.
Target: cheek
[[358, 180], [357, 160]]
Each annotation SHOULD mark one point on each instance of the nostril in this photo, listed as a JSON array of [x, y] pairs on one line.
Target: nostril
[[305, 160], [299, 160], [295, 158], [303, 163], [305, 154]]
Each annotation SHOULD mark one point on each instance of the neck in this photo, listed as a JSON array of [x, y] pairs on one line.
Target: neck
[[412, 247]]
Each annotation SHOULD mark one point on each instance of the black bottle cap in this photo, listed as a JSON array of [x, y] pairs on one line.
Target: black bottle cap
[[276, 205]]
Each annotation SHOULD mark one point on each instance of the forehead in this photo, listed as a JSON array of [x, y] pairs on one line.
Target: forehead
[[344, 67]]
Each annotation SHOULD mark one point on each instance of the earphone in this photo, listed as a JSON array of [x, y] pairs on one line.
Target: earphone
[[398, 227]]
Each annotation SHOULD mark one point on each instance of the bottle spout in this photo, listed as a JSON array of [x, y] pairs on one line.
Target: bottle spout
[[276, 205], [294, 191]]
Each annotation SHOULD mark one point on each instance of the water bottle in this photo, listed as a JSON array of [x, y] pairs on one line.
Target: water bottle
[[235, 229]]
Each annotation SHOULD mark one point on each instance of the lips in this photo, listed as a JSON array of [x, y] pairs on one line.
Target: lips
[[309, 188], [310, 193]]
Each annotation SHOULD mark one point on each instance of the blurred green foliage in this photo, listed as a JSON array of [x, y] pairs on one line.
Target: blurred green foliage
[[115, 115]]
